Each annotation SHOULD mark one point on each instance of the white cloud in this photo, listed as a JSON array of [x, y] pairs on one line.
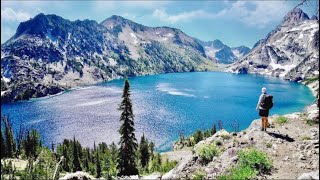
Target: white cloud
[[252, 13], [129, 16], [8, 14], [6, 33], [257, 13], [181, 17]]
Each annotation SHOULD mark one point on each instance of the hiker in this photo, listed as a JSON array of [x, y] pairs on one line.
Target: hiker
[[264, 105]]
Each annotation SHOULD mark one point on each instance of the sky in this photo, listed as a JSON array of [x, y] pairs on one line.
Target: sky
[[235, 23]]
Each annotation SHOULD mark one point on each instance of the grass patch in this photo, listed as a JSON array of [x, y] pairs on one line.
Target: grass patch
[[269, 145], [198, 175], [241, 172], [225, 136], [281, 120], [207, 152], [251, 163], [311, 80], [310, 122], [255, 159], [306, 138]]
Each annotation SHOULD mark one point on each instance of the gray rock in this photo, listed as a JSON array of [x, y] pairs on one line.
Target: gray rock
[[274, 146], [310, 175], [314, 141], [302, 157], [301, 146], [309, 153], [279, 141], [286, 158], [234, 159]]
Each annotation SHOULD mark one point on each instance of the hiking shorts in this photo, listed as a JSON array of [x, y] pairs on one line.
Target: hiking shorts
[[263, 112]]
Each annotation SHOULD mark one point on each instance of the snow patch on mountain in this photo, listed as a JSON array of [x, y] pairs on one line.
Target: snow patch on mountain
[[290, 51]]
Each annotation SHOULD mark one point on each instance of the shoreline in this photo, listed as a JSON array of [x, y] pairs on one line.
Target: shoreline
[[309, 107], [84, 85]]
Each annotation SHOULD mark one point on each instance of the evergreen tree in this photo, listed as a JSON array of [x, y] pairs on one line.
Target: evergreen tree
[[35, 143], [214, 129], [26, 144], [3, 146], [9, 139], [144, 151], [52, 146], [86, 160], [113, 160], [20, 141], [151, 148], [128, 142], [198, 136], [76, 162], [98, 165], [66, 156]]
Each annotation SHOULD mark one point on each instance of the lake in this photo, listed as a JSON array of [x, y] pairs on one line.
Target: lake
[[164, 106]]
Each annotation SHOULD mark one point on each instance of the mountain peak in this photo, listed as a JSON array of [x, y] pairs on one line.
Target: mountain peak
[[115, 21], [116, 18], [294, 16]]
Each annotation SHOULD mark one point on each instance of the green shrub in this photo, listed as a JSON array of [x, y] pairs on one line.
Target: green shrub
[[207, 152], [310, 122], [198, 136], [311, 80], [198, 175], [240, 172], [225, 136], [306, 138], [167, 166], [281, 120], [251, 163], [255, 159], [269, 145], [218, 142]]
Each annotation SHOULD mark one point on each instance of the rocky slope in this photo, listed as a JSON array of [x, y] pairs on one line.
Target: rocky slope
[[49, 54], [291, 51], [293, 148], [222, 53]]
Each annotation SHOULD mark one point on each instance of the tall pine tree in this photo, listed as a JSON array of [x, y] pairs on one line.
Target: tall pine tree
[[98, 165], [9, 139], [214, 129], [128, 141], [3, 146], [76, 162], [144, 151]]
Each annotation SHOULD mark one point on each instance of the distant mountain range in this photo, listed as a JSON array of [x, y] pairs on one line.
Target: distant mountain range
[[290, 51], [222, 53], [48, 54]]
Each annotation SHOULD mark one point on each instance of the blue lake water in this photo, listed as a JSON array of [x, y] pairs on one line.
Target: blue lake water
[[164, 106]]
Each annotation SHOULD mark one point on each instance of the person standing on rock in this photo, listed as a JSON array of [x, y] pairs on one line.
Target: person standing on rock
[[265, 103]]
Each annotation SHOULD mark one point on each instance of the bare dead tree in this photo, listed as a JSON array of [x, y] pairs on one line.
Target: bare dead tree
[[220, 125]]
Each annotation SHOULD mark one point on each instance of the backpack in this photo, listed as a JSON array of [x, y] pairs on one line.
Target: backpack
[[267, 101]]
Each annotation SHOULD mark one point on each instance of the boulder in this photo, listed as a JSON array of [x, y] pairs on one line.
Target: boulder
[[77, 175], [310, 175]]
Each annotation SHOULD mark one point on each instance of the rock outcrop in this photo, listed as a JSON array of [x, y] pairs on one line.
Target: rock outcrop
[[291, 51], [293, 148]]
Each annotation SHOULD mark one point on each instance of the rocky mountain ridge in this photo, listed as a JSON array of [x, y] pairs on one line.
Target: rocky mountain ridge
[[222, 53], [49, 54], [291, 51]]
